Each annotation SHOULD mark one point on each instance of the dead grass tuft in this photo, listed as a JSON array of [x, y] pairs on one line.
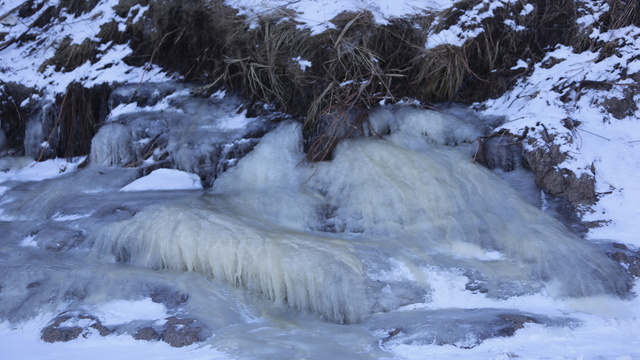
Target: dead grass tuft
[[69, 56], [78, 7], [188, 37], [79, 112], [266, 70], [621, 13], [14, 116], [440, 72]]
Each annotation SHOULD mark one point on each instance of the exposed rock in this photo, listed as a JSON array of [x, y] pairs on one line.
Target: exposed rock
[[69, 327], [181, 332], [505, 151], [512, 322], [629, 259], [168, 298], [147, 334], [560, 182], [623, 107], [56, 333], [501, 150]]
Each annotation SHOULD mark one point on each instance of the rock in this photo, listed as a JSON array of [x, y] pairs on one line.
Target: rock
[[629, 259], [557, 181], [505, 151], [56, 333], [147, 334], [501, 150], [69, 327], [167, 297], [181, 332], [512, 322], [463, 328], [623, 107]]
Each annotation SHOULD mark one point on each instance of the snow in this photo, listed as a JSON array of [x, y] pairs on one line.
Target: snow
[[165, 179], [22, 64], [122, 311], [316, 14], [24, 169], [600, 142], [23, 342], [304, 64], [607, 328], [468, 27]]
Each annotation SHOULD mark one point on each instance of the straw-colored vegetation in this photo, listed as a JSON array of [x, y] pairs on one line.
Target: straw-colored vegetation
[[69, 56], [354, 66]]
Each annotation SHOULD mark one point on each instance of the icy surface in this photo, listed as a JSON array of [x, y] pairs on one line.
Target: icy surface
[[280, 252]]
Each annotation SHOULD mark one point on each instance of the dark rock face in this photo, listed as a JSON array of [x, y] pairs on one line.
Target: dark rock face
[[176, 331], [181, 332], [169, 298], [510, 323], [505, 151], [628, 258], [66, 327], [560, 182], [501, 150], [56, 333], [147, 334]]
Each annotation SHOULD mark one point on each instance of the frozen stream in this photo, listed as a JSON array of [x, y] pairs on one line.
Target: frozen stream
[[399, 246]]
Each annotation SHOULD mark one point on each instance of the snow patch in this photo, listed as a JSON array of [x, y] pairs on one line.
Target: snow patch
[[166, 179]]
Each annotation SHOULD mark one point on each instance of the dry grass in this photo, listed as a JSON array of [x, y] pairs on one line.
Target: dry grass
[[69, 56], [78, 7], [14, 116], [356, 65], [622, 13], [440, 72], [360, 67], [266, 71], [189, 37], [79, 112]]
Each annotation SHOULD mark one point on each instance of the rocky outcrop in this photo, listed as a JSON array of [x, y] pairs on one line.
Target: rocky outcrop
[[176, 331], [557, 181], [506, 151], [66, 327]]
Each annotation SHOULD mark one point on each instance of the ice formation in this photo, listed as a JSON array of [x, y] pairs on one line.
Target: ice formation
[[314, 236]]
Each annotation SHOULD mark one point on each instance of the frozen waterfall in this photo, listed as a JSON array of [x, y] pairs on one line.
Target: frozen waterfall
[[320, 237]]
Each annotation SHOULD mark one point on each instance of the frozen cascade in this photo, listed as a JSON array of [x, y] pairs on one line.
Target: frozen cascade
[[3, 137], [167, 127], [112, 145], [318, 236]]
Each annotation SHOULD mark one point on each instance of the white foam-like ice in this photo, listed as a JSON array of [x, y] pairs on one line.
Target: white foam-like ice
[[307, 234]]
